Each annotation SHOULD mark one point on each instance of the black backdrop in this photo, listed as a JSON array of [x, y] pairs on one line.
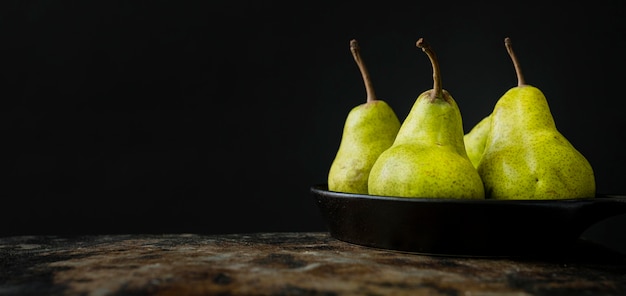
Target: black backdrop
[[217, 116]]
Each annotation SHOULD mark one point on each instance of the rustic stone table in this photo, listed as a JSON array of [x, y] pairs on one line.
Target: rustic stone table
[[286, 264]]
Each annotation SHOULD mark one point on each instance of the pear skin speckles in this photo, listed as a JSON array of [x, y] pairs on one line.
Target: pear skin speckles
[[369, 130], [475, 140], [541, 168], [427, 171]]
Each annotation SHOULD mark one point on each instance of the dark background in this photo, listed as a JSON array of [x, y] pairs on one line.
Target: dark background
[[218, 116]]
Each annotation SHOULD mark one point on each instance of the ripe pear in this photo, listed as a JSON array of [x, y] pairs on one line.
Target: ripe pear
[[525, 156], [475, 140], [428, 157], [369, 129]]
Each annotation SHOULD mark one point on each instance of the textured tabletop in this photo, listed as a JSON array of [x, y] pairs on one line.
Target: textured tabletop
[[285, 264]]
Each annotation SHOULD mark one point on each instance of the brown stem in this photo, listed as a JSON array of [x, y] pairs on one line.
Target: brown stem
[[437, 88], [356, 54], [518, 69]]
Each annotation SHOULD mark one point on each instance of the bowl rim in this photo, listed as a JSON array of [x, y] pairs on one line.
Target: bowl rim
[[322, 189]]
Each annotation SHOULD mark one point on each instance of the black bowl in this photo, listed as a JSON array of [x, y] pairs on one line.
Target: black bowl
[[456, 227]]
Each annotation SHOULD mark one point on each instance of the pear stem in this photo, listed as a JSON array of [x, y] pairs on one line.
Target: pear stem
[[437, 88], [516, 64], [356, 54]]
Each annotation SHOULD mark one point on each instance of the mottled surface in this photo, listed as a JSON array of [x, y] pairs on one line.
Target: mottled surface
[[285, 264]]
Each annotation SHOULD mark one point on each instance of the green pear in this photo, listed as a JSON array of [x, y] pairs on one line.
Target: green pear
[[525, 156], [475, 140], [369, 129], [428, 157]]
